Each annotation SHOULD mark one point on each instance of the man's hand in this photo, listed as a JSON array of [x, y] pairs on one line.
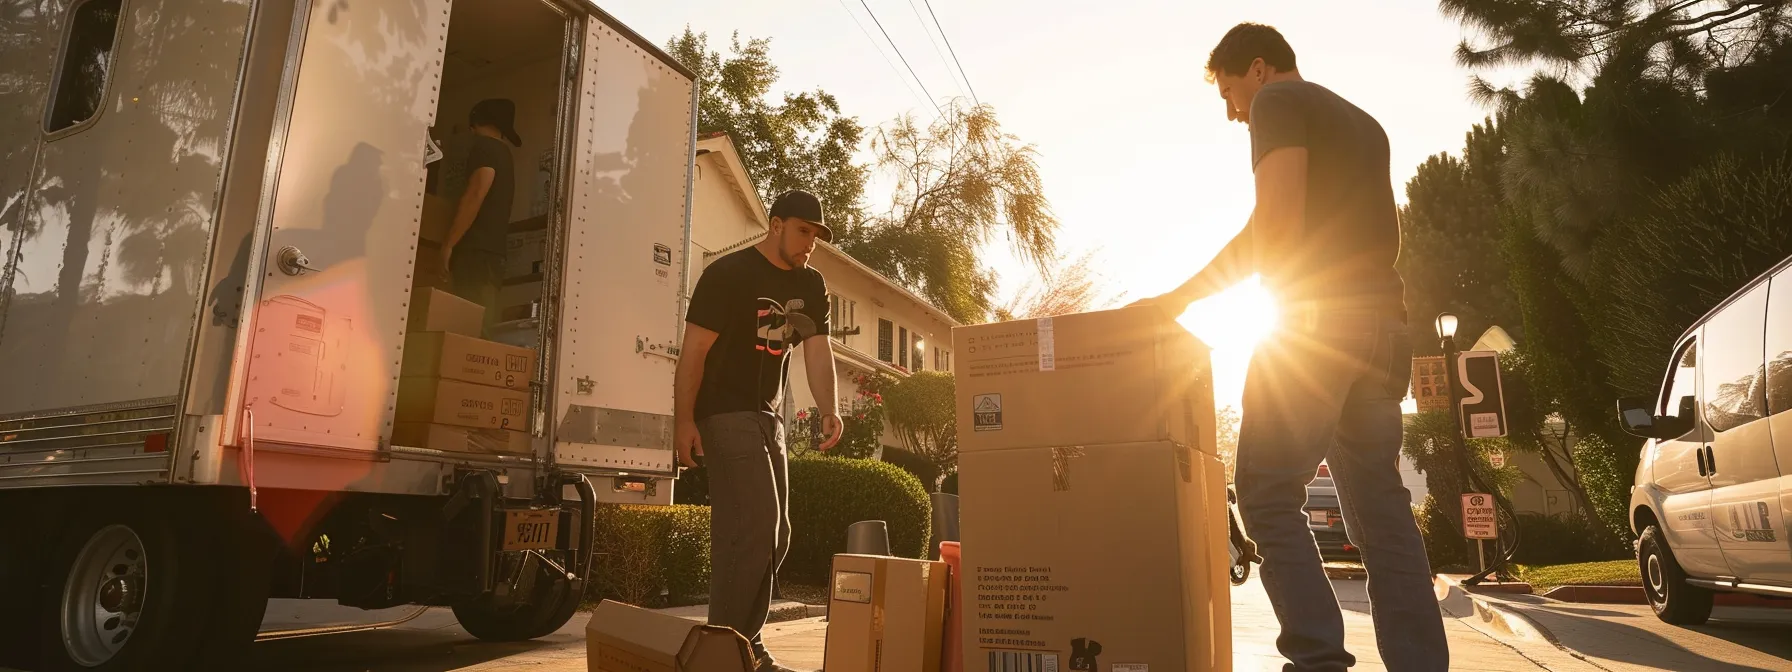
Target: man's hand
[[831, 429], [1173, 304], [689, 442]]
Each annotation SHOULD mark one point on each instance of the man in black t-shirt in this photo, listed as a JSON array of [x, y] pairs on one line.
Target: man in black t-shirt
[[749, 310], [1328, 386], [473, 254]]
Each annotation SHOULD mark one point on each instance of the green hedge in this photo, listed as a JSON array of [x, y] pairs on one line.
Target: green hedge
[[827, 494], [1560, 540], [651, 556]]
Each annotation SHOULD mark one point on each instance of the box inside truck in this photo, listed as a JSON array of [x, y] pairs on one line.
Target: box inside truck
[[472, 338]]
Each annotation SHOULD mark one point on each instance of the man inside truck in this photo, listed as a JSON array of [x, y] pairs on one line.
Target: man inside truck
[[1323, 238], [473, 252], [750, 308]]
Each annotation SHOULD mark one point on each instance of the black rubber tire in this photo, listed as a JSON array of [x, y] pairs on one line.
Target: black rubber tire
[[1673, 599], [161, 640], [554, 605], [1240, 572], [238, 552]]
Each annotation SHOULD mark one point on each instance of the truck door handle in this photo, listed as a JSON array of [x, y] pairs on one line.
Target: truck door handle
[[1710, 461], [1699, 455], [293, 261]]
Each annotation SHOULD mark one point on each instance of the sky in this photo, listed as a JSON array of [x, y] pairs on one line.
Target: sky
[[1137, 157]]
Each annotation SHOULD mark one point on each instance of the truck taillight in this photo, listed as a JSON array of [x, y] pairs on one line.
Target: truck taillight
[[1324, 471], [156, 443]]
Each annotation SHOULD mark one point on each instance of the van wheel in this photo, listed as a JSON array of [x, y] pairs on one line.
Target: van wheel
[[553, 605], [112, 595], [1673, 600]]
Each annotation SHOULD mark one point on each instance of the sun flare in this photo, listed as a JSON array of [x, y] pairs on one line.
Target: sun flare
[[1234, 320]]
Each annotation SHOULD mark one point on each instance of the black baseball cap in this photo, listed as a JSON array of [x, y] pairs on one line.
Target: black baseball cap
[[804, 206], [499, 113]]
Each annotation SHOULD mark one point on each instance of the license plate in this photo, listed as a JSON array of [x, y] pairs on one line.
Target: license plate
[[531, 529]]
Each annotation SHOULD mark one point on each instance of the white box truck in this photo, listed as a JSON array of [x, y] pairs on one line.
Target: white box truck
[[215, 229]]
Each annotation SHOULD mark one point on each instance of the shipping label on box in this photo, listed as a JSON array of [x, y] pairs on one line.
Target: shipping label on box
[[456, 357], [452, 402]]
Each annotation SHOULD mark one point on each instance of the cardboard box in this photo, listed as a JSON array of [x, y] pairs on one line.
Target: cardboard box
[[461, 439], [435, 310], [885, 614], [1100, 558], [623, 638], [524, 252], [452, 402], [436, 354], [1115, 376]]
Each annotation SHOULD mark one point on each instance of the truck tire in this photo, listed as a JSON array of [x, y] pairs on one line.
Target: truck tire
[[1664, 582], [553, 606], [113, 593]]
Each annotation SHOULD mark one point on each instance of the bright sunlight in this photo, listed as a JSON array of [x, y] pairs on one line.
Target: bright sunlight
[[1233, 320]]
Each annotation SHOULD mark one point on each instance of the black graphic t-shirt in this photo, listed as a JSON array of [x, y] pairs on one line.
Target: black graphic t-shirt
[[759, 312]]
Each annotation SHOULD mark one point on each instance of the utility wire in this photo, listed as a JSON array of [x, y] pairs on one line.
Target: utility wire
[[942, 29], [911, 69], [936, 44], [880, 51]]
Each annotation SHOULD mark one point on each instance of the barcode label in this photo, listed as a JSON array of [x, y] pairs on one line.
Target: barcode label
[[1022, 661]]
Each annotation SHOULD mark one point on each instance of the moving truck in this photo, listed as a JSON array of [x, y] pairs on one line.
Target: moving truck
[[227, 373]]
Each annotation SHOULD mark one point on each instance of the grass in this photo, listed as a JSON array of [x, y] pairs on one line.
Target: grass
[[1608, 573]]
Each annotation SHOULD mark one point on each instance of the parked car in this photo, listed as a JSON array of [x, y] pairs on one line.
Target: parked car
[[1325, 517], [1713, 489]]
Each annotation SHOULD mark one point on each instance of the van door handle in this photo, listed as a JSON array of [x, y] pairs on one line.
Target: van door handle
[[1699, 455], [1710, 461]]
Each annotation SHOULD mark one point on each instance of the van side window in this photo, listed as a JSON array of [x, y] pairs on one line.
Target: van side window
[[1779, 344], [1681, 386], [1735, 374], [86, 63]]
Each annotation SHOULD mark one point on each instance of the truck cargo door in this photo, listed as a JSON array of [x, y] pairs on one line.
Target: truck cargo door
[[318, 364], [624, 258]]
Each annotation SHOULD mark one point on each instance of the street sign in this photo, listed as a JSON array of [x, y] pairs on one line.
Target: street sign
[[1483, 404], [1497, 459], [1429, 385], [1478, 519]]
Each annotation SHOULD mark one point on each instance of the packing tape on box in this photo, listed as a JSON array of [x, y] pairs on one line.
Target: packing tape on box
[[1048, 357], [1061, 466], [878, 590]]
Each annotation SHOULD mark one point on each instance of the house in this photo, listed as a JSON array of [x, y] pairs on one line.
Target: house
[[878, 326]]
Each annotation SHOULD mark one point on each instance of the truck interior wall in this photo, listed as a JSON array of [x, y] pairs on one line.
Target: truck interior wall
[[246, 165], [106, 262], [534, 87]]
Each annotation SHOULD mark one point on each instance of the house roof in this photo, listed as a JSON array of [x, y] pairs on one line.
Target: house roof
[[742, 183]]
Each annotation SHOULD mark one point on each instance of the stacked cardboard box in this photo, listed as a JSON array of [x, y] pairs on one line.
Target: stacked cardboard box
[[625, 638], [458, 392], [885, 614], [1092, 503]]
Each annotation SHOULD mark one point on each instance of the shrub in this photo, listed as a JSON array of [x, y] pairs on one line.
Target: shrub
[[921, 468], [924, 413], [1443, 542], [827, 494], [1603, 472], [650, 555], [863, 419], [1559, 540]]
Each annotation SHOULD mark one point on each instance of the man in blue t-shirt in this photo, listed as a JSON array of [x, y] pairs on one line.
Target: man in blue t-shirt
[[750, 309], [1323, 238]]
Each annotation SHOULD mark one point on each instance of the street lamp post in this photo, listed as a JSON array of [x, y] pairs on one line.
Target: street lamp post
[[1446, 334]]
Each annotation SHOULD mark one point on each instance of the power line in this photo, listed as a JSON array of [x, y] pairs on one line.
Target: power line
[[942, 29], [898, 50], [880, 51], [936, 44]]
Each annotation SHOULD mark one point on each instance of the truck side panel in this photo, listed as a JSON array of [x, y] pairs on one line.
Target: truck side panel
[[612, 398]]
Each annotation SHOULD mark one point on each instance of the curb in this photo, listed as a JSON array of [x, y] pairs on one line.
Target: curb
[[1635, 595], [1510, 622], [796, 612]]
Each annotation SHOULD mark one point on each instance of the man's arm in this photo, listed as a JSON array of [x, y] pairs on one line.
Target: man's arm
[[818, 358], [1235, 262], [1281, 209], [685, 383], [478, 185]]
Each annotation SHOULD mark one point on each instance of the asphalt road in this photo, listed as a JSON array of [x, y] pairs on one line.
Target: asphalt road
[[1623, 637]]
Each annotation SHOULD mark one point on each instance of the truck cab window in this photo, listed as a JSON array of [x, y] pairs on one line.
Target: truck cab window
[[1681, 386], [86, 62]]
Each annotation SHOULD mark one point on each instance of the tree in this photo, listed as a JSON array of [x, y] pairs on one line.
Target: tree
[[1449, 239], [922, 410], [1074, 286], [802, 141], [958, 182], [1695, 35]]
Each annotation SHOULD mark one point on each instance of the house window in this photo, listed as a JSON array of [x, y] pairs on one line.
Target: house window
[[920, 353], [902, 343], [885, 347], [86, 62], [843, 316]]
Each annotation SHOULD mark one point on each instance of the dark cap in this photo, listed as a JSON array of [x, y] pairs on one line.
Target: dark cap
[[804, 206], [499, 113]]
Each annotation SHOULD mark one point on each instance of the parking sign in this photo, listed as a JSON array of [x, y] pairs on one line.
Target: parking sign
[[1478, 517]]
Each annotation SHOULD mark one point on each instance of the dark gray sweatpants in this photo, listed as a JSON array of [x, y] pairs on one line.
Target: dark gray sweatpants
[[749, 520]]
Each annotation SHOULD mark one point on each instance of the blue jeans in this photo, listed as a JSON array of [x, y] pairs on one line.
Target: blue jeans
[[1328, 387]]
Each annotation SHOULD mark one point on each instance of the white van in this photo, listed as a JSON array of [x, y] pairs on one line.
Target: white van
[[1713, 492]]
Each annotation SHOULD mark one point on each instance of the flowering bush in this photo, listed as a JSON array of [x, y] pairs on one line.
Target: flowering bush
[[863, 416]]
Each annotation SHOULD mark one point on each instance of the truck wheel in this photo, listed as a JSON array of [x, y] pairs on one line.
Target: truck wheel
[[1673, 599], [114, 589], [553, 606]]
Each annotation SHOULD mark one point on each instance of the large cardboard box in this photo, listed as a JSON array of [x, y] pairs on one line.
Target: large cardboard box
[[1093, 559], [438, 354], [461, 439], [885, 614], [1115, 376], [623, 638], [435, 310], [452, 402]]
